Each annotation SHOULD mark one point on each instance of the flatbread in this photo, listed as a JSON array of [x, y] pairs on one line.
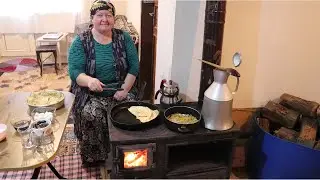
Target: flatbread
[[143, 113], [155, 113]]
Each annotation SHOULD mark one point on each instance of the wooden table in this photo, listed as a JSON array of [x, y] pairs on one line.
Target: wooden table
[[12, 155]]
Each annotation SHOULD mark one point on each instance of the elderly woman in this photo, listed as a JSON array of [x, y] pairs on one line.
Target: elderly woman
[[99, 57]]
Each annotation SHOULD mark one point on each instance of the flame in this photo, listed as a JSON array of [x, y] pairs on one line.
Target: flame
[[137, 158]]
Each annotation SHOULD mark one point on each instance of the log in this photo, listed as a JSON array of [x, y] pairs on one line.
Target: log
[[288, 134], [264, 124], [306, 108], [317, 146], [279, 114], [308, 132]]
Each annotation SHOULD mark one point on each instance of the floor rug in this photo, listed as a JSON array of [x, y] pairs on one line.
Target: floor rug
[[69, 144], [70, 167], [18, 65], [29, 81]]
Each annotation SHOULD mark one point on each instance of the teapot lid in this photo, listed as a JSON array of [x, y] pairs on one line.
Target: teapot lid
[[170, 84]]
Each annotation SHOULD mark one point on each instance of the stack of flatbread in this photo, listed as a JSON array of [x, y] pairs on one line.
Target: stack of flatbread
[[143, 113]]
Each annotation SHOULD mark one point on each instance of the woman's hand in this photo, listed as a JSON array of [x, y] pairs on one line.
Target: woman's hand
[[121, 95], [95, 85]]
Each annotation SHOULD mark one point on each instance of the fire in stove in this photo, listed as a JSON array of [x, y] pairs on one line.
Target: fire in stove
[[138, 158]]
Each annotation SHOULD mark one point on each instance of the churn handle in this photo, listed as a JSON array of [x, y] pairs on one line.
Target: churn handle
[[237, 86], [236, 74]]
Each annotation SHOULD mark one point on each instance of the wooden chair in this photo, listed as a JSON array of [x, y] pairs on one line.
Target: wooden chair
[[45, 49]]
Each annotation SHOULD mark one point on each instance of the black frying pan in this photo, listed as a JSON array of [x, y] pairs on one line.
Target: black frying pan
[[182, 128], [122, 118]]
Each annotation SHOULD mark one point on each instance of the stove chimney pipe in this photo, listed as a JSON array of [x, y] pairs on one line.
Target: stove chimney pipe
[[212, 43]]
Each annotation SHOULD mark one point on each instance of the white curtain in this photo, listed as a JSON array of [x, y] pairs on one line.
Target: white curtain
[[42, 16]]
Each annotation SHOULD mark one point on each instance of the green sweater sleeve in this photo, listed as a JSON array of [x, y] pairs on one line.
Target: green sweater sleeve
[[76, 59], [132, 55]]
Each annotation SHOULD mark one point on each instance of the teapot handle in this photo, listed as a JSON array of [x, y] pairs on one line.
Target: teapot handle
[[237, 86], [156, 96]]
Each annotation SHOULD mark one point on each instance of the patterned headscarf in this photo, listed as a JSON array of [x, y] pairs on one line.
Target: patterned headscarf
[[102, 5]]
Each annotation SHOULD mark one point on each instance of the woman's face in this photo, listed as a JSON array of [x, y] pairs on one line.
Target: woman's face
[[103, 21]]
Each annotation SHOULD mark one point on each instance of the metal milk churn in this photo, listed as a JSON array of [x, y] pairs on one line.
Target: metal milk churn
[[218, 99]]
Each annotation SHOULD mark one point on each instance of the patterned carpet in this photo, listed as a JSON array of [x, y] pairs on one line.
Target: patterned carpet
[[69, 144], [31, 80], [18, 64]]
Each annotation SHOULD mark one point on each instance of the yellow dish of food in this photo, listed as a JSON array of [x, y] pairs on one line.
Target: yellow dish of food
[[180, 118], [45, 98], [143, 113]]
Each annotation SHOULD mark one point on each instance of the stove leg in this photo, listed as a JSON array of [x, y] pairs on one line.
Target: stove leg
[[112, 176], [232, 150], [36, 173], [55, 171]]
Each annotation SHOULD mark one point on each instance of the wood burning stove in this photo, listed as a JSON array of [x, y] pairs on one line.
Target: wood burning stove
[[161, 153], [134, 158]]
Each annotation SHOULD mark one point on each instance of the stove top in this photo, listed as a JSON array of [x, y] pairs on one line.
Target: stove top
[[161, 132]]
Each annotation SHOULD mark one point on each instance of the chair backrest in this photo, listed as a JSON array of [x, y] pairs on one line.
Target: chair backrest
[[79, 28]]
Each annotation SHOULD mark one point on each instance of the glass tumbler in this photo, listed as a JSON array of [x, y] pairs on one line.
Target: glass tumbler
[[25, 137]]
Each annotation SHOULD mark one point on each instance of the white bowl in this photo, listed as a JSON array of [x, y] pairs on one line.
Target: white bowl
[[43, 113], [3, 132]]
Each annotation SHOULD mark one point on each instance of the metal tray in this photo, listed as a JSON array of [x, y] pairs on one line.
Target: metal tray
[[55, 105]]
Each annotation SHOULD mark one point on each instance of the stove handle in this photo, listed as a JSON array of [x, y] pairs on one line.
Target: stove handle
[[116, 160], [153, 165], [153, 148]]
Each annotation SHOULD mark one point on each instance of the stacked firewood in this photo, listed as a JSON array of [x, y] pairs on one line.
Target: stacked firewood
[[294, 119]]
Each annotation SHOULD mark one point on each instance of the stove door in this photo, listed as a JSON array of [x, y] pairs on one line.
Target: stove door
[[135, 158]]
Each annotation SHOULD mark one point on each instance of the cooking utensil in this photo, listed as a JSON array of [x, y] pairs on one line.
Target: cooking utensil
[[237, 59], [122, 118], [212, 64], [108, 88], [112, 89], [113, 84], [182, 128]]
